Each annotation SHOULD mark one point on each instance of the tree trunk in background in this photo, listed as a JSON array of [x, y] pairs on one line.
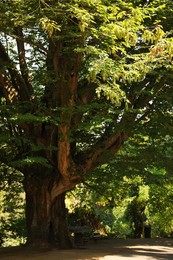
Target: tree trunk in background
[[59, 225], [46, 217]]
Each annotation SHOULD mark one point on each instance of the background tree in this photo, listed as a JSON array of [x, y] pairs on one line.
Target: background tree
[[76, 79], [133, 190]]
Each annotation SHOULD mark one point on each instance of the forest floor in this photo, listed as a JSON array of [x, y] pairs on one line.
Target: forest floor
[[118, 249]]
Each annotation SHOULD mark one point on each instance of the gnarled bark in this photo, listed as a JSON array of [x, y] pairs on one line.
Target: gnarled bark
[[46, 215]]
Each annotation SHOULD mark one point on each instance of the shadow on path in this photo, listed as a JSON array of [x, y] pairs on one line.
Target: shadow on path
[[148, 249]]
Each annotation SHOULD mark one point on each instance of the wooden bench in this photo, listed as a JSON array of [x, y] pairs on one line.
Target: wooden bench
[[81, 234], [96, 236]]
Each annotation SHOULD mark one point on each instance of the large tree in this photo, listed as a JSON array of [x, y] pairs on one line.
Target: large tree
[[76, 77]]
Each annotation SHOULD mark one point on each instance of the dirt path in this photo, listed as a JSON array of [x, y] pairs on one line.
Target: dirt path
[[140, 249]]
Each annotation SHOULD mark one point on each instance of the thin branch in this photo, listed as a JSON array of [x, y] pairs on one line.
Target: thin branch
[[42, 49], [22, 60], [97, 191], [17, 80]]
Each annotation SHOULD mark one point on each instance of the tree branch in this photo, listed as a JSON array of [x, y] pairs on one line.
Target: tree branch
[[23, 39], [104, 150], [17, 80], [22, 60]]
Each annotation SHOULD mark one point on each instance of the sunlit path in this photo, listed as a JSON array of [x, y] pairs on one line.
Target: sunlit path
[[141, 249]]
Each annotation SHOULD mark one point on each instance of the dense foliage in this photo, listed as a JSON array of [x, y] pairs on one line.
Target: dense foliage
[[12, 218], [132, 191]]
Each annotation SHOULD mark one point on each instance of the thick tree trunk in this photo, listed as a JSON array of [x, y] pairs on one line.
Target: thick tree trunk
[[46, 217]]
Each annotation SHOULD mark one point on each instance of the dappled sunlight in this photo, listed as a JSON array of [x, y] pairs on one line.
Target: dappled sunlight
[[118, 249]]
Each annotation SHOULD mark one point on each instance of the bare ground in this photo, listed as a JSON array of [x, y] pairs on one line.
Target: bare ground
[[118, 249]]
